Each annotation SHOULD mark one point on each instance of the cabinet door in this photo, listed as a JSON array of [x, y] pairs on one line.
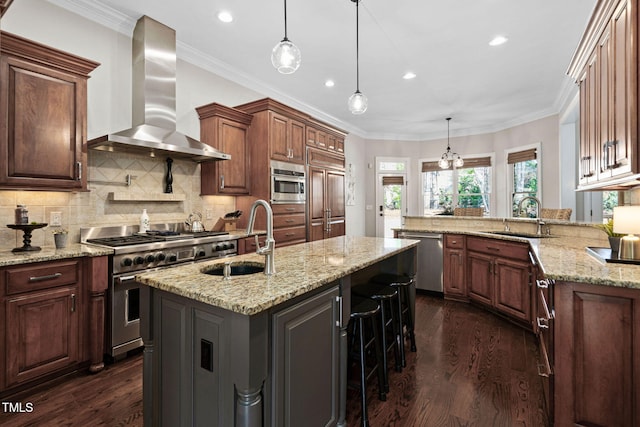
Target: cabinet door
[[480, 274], [624, 69], [603, 104], [42, 333], [278, 137], [229, 177], [454, 269], [317, 209], [335, 193], [597, 342], [296, 141], [513, 288], [306, 362], [42, 117]]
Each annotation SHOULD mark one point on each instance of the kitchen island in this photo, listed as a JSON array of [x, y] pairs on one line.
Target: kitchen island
[[258, 350]]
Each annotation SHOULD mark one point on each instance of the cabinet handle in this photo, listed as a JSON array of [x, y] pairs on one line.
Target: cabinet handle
[[493, 248], [290, 234], [289, 220], [78, 171], [290, 209], [47, 277], [339, 319], [73, 303], [542, 283], [542, 322], [222, 182], [542, 370]]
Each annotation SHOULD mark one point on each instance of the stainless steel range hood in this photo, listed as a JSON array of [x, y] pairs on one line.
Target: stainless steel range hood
[[154, 101]]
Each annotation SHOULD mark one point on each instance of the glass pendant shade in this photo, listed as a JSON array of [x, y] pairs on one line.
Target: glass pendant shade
[[458, 162], [358, 102], [443, 163], [286, 57]]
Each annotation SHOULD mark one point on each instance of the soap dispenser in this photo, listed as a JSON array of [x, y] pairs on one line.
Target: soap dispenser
[[144, 221]]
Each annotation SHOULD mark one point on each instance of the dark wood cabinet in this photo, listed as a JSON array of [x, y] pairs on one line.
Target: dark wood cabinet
[[53, 320], [596, 355], [286, 138], [227, 130], [42, 116], [454, 266], [326, 203], [500, 276], [4, 5], [605, 67], [289, 224]]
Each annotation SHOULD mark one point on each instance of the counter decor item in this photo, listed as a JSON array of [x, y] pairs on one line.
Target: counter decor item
[[27, 229], [626, 221], [60, 237], [144, 221], [614, 238], [22, 214]]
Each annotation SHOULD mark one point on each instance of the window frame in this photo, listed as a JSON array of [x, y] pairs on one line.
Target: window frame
[[510, 187]]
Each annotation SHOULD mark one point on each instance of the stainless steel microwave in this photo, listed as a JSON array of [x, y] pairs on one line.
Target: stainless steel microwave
[[288, 183]]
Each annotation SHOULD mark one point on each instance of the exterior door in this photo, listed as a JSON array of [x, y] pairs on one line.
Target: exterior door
[[391, 203]]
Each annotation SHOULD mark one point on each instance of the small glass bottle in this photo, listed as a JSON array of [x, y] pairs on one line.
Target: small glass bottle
[[144, 221], [22, 214]]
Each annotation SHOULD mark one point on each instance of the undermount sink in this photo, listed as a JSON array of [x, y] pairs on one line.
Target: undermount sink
[[239, 269], [518, 234]]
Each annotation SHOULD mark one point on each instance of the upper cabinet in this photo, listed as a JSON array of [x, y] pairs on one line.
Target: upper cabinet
[[227, 130], [605, 67], [43, 116], [4, 5]]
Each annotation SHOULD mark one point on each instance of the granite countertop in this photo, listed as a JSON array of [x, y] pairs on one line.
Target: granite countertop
[[299, 269], [562, 257], [50, 253]]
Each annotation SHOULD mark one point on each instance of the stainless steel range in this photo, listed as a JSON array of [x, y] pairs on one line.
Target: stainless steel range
[[164, 246]]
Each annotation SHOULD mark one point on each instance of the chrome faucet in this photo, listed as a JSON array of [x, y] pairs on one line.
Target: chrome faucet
[[535, 199], [269, 244]]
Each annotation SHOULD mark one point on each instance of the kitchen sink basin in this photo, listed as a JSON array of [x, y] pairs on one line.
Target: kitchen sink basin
[[518, 234], [239, 269]]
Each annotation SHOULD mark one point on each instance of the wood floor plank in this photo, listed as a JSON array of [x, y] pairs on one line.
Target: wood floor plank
[[472, 369]]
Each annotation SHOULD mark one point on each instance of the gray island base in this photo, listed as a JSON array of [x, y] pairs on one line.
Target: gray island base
[[258, 350]]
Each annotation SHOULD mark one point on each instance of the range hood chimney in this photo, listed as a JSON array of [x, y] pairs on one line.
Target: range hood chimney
[[154, 101]]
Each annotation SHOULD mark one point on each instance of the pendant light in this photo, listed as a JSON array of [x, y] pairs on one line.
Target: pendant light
[[357, 101], [448, 157], [286, 56]]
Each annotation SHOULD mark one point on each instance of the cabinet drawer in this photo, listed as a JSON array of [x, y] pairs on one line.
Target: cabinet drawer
[[454, 241], [31, 277], [287, 208], [290, 234], [280, 221], [498, 247]]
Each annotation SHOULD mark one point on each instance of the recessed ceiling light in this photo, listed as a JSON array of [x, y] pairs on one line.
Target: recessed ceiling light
[[498, 40], [225, 16], [409, 75], [329, 83]]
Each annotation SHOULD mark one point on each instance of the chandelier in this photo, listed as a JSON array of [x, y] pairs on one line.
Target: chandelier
[[448, 157]]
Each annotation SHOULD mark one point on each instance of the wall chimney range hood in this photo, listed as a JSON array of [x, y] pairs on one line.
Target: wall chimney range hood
[[154, 102]]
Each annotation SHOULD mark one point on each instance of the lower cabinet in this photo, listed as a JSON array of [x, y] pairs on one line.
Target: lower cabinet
[[501, 276], [53, 320], [204, 365], [596, 355], [305, 367], [454, 262]]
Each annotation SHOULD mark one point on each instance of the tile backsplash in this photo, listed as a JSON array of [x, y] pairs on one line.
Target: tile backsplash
[[108, 174]]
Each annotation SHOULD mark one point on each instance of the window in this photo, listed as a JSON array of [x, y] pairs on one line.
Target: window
[[609, 201], [469, 186], [524, 173]]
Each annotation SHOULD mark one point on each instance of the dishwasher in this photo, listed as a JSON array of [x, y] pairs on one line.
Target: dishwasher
[[429, 263]]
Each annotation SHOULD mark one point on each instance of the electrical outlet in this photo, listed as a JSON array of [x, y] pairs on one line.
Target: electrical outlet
[[56, 219], [208, 214]]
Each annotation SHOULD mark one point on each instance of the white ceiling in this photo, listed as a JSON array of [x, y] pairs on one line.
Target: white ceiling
[[445, 43]]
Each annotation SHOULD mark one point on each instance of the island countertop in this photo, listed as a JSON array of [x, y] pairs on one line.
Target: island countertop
[[299, 269]]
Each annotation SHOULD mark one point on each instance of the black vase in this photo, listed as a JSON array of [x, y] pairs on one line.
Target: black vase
[[169, 178]]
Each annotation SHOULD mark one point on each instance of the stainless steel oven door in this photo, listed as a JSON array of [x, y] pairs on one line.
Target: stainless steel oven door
[[287, 189], [125, 315]]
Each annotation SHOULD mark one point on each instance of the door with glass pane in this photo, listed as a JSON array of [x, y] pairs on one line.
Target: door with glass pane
[[392, 204]]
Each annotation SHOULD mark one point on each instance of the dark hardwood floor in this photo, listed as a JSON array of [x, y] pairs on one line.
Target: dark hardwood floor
[[471, 369]]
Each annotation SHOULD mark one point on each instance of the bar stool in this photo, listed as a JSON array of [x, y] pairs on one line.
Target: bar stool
[[363, 337], [387, 297], [403, 284]]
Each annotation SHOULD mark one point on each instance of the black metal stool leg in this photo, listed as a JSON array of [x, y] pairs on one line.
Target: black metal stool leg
[[382, 395], [363, 374]]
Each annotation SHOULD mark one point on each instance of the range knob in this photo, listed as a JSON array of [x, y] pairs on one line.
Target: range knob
[[138, 260], [231, 245], [173, 257], [200, 252], [126, 262], [149, 258], [161, 256], [218, 248]]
